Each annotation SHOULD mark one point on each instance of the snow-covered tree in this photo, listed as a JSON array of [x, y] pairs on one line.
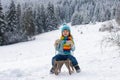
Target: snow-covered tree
[[20, 30], [113, 12], [2, 25], [107, 14], [57, 14], [76, 19], [28, 23], [118, 14], [72, 8], [19, 15], [12, 24], [66, 9], [51, 20], [12, 17], [96, 16], [41, 19], [24, 21]]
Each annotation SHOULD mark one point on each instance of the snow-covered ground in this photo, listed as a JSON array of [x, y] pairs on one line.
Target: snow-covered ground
[[32, 60]]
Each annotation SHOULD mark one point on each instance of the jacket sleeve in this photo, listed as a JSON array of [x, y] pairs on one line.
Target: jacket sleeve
[[59, 47]]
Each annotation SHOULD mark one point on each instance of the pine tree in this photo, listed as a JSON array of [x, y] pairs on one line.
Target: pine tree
[[2, 25], [28, 23], [72, 8], [20, 33], [76, 19], [96, 16], [12, 17], [51, 21], [107, 15], [57, 14], [118, 14], [19, 15], [62, 14], [41, 19], [66, 8], [113, 14], [11, 34]]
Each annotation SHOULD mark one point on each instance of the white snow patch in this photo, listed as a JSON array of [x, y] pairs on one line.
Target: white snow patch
[[32, 60]]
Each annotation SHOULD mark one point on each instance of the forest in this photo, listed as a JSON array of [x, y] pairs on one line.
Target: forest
[[21, 22]]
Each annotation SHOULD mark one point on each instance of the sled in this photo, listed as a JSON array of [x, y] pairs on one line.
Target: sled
[[58, 65]]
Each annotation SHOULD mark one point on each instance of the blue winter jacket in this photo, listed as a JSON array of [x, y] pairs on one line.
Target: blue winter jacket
[[59, 48]]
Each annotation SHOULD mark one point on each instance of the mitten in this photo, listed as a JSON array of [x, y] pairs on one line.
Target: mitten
[[57, 42], [70, 43]]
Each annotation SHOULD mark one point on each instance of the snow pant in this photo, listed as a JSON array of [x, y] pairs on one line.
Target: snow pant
[[59, 57]]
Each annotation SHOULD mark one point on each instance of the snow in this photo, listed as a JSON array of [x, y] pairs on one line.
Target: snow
[[32, 60]]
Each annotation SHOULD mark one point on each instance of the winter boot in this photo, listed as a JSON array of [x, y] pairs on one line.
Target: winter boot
[[52, 70], [77, 68]]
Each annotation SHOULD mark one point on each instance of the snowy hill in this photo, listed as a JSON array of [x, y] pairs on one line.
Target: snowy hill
[[32, 60]]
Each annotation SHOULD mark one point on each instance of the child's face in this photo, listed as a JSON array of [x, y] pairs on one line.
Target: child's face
[[65, 33]]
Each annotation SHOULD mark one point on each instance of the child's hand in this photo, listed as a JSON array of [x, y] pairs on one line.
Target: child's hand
[[57, 42], [70, 43]]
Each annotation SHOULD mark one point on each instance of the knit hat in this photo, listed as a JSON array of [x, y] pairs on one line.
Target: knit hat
[[65, 27]]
